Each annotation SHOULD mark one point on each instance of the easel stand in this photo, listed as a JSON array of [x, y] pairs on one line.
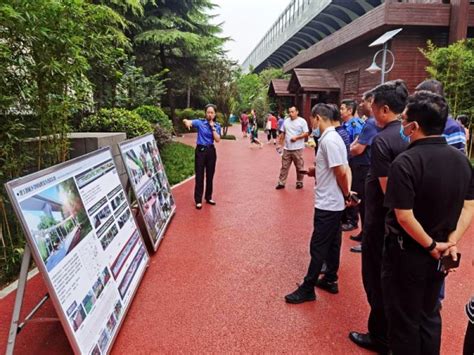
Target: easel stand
[[15, 325]]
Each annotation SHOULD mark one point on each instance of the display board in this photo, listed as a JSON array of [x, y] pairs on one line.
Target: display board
[[150, 184], [86, 244]]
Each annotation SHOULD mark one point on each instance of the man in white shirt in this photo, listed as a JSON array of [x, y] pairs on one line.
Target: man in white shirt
[[332, 195], [294, 131]]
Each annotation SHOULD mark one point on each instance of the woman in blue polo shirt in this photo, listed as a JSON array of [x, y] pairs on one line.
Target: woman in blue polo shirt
[[205, 154]]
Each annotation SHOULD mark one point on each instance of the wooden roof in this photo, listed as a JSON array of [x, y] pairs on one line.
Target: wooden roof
[[279, 87], [388, 16], [311, 79]]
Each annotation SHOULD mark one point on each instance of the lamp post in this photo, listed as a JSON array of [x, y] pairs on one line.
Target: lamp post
[[383, 40]]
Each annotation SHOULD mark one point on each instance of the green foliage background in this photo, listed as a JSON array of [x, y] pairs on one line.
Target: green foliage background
[[253, 92], [78, 64], [454, 67], [178, 160], [117, 120]]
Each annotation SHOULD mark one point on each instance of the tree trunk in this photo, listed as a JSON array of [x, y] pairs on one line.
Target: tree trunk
[[188, 99], [169, 87]]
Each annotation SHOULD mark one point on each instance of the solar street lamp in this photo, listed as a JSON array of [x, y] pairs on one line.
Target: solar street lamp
[[383, 40]]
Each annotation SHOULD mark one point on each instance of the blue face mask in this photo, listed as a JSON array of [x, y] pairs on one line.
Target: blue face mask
[[403, 135], [317, 133]]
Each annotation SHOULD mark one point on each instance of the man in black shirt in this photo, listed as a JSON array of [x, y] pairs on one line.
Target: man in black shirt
[[425, 200], [389, 101]]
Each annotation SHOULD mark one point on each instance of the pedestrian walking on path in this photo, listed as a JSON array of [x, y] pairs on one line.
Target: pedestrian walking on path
[[244, 122], [294, 132], [253, 128], [205, 154], [271, 128]]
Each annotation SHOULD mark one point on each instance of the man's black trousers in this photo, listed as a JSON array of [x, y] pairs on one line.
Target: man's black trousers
[[372, 251], [359, 173], [325, 245], [204, 163], [412, 283], [469, 339]]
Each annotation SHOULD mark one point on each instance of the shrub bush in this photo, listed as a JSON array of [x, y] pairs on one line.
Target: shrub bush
[[167, 111], [155, 115], [116, 120], [189, 114], [178, 160]]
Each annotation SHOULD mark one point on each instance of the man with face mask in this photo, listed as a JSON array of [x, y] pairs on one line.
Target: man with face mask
[[388, 102], [332, 194], [426, 201]]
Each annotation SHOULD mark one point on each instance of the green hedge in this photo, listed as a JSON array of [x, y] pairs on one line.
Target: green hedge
[[155, 115], [178, 160], [116, 120], [190, 113]]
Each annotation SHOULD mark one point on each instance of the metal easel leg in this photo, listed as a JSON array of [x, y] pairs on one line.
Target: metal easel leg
[[25, 263], [15, 325]]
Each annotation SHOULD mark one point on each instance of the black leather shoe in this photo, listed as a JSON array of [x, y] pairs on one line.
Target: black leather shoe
[[356, 238], [357, 249], [300, 295], [279, 187], [328, 286], [211, 202], [364, 340]]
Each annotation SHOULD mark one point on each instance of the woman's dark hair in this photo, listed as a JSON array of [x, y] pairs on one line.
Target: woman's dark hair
[[464, 119], [326, 111], [431, 85], [393, 94], [210, 105], [430, 110], [350, 103]]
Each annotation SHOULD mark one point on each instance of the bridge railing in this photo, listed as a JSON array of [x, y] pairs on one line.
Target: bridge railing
[[295, 16]]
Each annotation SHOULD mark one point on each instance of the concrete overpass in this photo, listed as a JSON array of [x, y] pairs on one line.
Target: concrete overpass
[[302, 24]]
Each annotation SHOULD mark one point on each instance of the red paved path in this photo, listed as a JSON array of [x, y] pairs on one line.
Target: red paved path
[[217, 282]]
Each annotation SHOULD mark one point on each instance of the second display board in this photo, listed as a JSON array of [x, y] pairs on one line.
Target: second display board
[[150, 184]]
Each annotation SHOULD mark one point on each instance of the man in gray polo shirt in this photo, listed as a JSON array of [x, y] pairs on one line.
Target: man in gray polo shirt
[[332, 195], [294, 132]]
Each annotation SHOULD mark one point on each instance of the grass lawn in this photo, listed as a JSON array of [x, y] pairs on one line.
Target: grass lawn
[[178, 160]]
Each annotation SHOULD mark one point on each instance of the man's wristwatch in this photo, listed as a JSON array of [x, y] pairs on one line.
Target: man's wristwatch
[[432, 246]]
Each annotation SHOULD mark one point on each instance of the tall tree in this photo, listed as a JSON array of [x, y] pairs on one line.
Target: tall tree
[[175, 35], [46, 50], [253, 90], [454, 67], [219, 87]]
